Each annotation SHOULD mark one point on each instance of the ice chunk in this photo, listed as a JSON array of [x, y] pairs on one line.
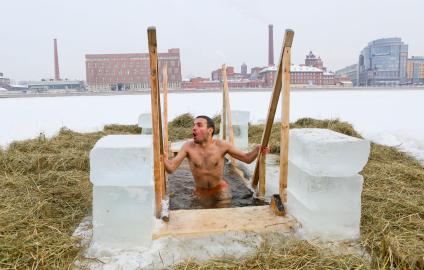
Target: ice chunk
[[240, 122], [123, 216], [323, 152], [122, 160], [325, 193], [121, 170], [323, 223], [145, 123]]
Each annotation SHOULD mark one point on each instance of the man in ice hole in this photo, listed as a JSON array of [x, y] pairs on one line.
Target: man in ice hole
[[206, 158]]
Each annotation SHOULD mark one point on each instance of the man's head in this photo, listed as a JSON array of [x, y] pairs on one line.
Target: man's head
[[203, 128]]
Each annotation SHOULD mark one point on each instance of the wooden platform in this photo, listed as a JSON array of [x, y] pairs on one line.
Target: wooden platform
[[209, 221]]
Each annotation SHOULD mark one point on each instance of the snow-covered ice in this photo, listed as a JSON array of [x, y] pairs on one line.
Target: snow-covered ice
[[386, 116], [167, 251]]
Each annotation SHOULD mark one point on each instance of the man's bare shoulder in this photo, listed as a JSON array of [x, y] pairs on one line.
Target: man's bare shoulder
[[221, 143], [188, 144]]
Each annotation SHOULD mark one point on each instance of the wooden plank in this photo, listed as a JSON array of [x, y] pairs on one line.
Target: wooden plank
[[285, 122], [287, 42], [156, 122], [228, 110], [262, 172], [186, 223]]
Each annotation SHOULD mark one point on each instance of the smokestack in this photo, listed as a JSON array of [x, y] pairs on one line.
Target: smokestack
[[270, 45], [56, 62]]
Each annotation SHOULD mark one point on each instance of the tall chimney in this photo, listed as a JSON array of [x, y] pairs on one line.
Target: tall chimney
[[56, 62], [270, 45]]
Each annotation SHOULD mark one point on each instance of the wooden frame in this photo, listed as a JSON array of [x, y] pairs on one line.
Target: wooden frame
[[253, 215]]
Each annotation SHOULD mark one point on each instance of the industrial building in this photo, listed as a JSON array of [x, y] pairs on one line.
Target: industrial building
[[130, 71]]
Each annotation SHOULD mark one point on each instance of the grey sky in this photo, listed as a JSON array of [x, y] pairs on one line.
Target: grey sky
[[208, 32]]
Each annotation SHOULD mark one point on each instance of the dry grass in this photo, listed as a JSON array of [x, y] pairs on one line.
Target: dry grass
[[45, 192], [284, 254]]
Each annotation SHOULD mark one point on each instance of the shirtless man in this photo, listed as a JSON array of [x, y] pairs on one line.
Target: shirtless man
[[206, 159]]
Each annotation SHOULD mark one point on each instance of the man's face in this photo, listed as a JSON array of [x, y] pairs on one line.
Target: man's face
[[201, 130]]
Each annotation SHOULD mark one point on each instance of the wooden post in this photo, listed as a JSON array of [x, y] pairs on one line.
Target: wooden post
[[228, 110], [165, 107], [158, 166], [224, 105], [165, 117], [285, 114], [287, 42], [262, 171]]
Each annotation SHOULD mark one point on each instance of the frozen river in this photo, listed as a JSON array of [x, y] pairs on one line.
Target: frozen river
[[391, 117]]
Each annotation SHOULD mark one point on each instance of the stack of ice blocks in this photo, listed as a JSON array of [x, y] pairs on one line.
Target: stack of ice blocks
[[145, 123], [121, 170], [240, 122], [324, 187]]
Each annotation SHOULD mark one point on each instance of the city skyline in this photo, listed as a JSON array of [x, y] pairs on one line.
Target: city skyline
[[208, 34]]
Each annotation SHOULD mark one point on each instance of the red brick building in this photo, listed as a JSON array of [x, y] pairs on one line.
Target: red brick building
[[196, 83], [313, 61], [217, 74], [131, 71], [328, 78]]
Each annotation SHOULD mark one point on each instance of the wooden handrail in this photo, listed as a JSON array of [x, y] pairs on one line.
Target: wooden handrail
[[287, 43]]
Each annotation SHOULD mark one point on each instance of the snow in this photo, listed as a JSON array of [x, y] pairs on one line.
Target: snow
[[386, 116], [165, 251]]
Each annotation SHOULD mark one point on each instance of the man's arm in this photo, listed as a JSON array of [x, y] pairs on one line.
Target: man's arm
[[246, 157], [173, 164]]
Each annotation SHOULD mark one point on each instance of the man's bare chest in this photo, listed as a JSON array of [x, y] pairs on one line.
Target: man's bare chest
[[206, 159]]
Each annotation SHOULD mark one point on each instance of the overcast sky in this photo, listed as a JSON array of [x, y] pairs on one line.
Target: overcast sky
[[208, 32]]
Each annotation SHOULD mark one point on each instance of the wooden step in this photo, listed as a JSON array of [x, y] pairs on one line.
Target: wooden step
[[201, 222]]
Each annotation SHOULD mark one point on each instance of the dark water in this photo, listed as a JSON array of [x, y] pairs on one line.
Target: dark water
[[181, 189]]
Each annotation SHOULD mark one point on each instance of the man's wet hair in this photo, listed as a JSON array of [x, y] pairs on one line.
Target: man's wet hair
[[209, 121]]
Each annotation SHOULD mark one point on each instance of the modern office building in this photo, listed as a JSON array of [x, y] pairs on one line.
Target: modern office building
[[349, 73], [383, 62]]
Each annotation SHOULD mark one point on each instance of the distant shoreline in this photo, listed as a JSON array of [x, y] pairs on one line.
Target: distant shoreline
[[188, 91]]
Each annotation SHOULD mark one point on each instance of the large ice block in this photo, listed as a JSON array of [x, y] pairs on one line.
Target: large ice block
[[323, 223], [323, 152], [121, 170], [122, 160], [123, 216], [240, 122], [327, 193], [145, 123]]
